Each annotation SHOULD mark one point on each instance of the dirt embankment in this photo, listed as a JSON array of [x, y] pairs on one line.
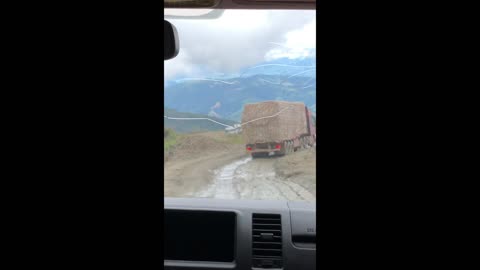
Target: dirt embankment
[[190, 165], [299, 167]]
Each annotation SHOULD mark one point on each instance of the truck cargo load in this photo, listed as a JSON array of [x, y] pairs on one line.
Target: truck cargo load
[[289, 123], [272, 126]]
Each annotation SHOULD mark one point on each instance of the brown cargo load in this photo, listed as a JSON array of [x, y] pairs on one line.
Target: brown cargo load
[[289, 124]]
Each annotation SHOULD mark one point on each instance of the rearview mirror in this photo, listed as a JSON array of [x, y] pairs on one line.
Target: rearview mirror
[[170, 37]]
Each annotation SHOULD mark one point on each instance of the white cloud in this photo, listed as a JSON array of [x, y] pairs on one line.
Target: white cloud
[[216, 106], [300, 43], [241, 38]]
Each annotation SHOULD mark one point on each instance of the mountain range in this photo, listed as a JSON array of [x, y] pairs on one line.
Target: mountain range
[[187, 126], [224, 95]]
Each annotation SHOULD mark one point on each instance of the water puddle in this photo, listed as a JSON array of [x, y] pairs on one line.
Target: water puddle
[[223, 182]]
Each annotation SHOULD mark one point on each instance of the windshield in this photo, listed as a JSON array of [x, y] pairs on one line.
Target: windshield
[[240, 107]]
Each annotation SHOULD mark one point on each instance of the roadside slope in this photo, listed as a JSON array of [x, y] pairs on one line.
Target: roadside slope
[[299, 167], [192, 162], [215, 164]]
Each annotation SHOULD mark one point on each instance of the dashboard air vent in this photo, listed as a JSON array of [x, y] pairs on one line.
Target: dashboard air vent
[[267, 241]]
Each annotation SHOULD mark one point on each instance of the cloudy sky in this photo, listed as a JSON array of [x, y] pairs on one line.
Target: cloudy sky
[[241, 38]]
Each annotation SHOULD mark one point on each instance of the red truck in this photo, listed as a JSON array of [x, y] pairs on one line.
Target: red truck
[[277, 127]]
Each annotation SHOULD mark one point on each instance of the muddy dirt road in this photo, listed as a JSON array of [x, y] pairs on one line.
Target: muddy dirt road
[[253, 179], [229, 173]]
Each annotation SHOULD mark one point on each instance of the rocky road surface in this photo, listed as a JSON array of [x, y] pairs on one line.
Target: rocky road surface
[[253, 179], [229, 173]]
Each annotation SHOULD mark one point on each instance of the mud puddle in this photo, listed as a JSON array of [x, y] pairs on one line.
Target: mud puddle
[[253, 179]]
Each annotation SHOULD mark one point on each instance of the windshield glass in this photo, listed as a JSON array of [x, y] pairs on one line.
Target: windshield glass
[[240, 107]]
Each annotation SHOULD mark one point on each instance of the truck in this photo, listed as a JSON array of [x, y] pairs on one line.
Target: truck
[[277, 128]]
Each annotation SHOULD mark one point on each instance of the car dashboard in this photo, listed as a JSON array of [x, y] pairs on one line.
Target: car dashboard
[[239, 234]]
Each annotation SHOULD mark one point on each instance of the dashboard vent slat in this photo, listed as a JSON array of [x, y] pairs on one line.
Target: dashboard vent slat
[[267, 241]]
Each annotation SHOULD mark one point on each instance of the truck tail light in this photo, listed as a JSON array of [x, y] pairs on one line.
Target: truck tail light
[[278, 146], [249, 148]]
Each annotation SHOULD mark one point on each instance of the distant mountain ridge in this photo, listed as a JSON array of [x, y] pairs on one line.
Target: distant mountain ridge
[[227, 101], [284, 67], [188, 126], [280, 66], [224, 95]]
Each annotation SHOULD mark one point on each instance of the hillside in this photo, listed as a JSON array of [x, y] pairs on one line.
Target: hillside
[[224, 94], [277, 67], [227, 100], [188, 126], [284, 67]]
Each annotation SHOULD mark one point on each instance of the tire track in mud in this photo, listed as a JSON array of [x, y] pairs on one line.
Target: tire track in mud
[[253, 179], [223, 183]]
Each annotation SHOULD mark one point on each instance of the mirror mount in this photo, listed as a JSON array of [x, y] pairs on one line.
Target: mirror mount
[[171, 45]]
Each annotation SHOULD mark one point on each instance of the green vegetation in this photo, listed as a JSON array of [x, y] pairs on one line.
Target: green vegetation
[[170, 139]]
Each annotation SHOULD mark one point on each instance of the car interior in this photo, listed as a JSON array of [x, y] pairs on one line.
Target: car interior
[[209, 233]]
